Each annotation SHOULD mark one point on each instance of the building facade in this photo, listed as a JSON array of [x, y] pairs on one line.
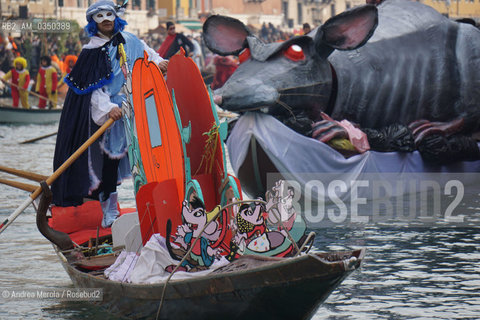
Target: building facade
[[144, 15], [314, 12], [141, 15], [456, 9], [24, 8], [252, 12]]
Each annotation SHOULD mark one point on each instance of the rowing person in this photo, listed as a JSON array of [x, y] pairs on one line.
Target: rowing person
[[20, 80], [93, 97]]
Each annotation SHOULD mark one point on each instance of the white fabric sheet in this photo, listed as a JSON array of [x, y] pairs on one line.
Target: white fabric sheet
[[150, 266], [298, 156]]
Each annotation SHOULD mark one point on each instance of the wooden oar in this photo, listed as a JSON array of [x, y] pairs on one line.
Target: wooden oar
[[30, 92], [38, 138], [24, 174], [19, 185], [56, 174]]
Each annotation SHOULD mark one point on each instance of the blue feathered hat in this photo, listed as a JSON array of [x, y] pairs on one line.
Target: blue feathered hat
[[105, 5]]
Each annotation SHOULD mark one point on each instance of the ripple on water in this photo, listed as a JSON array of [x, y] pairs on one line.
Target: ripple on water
[[410, 272]]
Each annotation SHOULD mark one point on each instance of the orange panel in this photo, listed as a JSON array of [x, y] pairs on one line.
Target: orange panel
[[193, 103], [157, 202], [157, 132]]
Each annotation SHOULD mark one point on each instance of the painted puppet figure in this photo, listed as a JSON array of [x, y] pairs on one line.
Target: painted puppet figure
[[269, 229], [195, 219]]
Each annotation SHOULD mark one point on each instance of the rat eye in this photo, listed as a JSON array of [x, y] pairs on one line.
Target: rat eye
[[294, 53], [244, 55]]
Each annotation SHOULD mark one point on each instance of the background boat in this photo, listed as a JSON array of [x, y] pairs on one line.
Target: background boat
[[23, 116], [19, 115]]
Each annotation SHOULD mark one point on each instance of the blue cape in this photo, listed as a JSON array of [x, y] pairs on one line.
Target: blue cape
[[92, 71]]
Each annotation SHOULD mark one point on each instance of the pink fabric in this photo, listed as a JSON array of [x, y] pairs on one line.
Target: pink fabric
[[357, 137]]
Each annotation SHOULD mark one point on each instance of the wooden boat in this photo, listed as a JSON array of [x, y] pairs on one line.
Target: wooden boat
[[22, 116], [289, 284], [250, 287]]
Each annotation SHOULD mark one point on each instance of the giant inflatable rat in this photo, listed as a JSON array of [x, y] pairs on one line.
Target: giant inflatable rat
[[395, 63]]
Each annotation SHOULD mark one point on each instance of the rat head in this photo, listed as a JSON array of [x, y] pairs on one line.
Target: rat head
[[251, 213], [290, 76], [195, 217]]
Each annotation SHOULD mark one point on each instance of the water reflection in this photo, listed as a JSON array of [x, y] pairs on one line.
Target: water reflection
[[410, 272]]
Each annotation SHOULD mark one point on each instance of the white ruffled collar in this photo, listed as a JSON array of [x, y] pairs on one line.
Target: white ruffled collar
[[98, 40]]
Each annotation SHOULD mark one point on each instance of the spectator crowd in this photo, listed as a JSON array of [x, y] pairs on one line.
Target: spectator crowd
[[61, 48]]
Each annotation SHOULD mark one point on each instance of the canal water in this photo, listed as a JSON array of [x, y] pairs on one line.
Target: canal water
[[411, 271]]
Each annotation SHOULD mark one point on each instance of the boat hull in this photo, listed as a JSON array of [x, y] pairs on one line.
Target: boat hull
[[252, 287], [22, 116]]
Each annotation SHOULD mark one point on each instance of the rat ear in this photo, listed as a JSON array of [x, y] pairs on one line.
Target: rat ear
[[348, 30], [225, 35]]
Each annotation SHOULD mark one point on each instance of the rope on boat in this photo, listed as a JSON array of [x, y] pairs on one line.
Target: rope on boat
[[310, 238], [77, 247]]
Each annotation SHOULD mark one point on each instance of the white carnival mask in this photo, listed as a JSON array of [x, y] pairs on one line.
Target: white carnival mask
[[103, 15]]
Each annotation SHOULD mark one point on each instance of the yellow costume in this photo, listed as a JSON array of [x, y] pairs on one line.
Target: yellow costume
[[47, 85], [20, 80]]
